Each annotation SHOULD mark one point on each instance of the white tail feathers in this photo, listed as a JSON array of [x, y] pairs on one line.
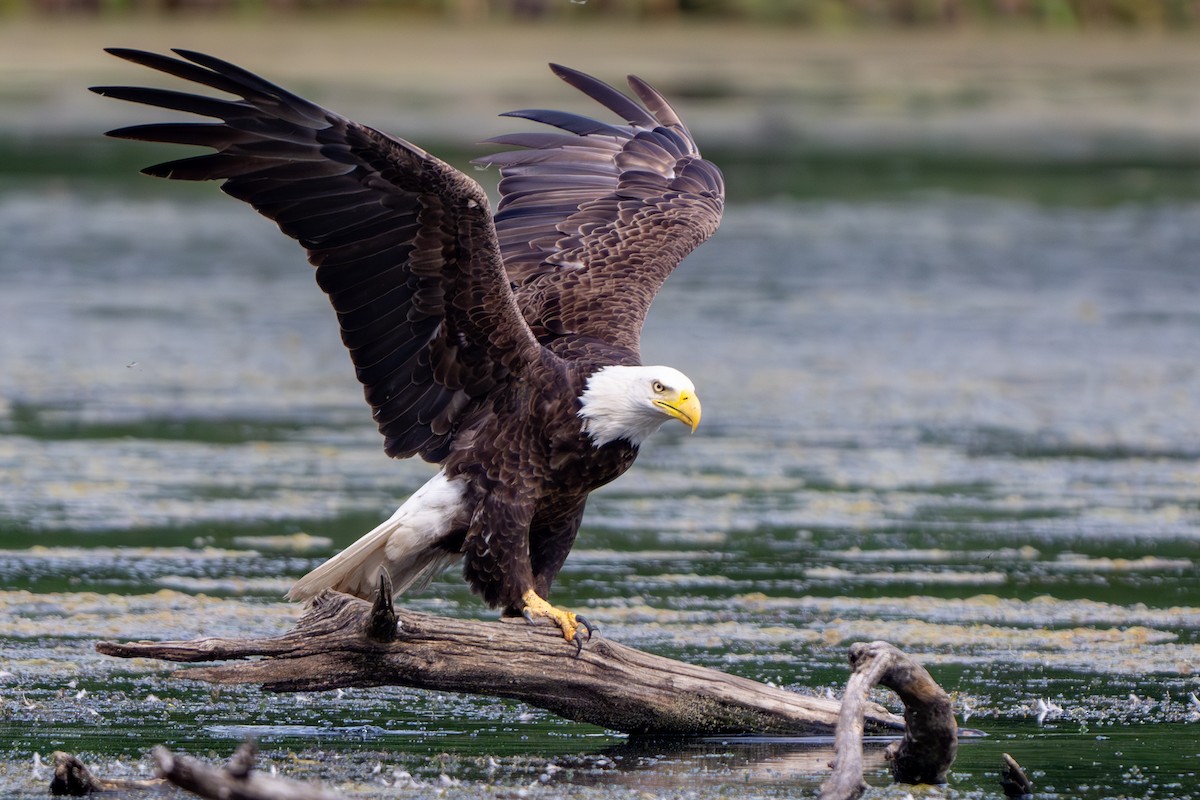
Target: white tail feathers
[[405, 545]]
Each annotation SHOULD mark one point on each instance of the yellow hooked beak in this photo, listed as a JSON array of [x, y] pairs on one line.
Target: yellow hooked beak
[[685, 408]]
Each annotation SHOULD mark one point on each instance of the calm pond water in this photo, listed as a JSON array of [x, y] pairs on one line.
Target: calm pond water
[[966, 424]]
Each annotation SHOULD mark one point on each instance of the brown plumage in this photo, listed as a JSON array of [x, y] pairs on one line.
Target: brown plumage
[[504, 348]]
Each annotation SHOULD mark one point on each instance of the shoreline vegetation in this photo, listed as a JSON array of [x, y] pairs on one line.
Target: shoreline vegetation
[[794, 109], [834, 15]]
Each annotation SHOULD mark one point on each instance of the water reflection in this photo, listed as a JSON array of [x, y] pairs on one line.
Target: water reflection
[[662, 763]]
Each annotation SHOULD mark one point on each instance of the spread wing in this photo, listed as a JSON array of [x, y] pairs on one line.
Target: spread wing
[[592, 219], [402, 243]]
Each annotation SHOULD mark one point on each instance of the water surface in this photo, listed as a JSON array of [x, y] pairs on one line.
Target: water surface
[[967, 424]]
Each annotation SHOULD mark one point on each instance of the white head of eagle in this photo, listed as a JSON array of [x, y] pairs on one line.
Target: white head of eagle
[[622, 402]]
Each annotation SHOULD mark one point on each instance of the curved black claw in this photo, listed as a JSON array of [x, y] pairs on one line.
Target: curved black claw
[[587, 626], [528, 617], [583, 624]]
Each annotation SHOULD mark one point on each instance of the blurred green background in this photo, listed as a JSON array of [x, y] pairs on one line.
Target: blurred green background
[[846, 98]]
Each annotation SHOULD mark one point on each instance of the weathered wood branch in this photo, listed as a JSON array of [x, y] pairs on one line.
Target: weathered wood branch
[[343, 641], [72, 778], [1013, 779], [930, 741], [237, 780]]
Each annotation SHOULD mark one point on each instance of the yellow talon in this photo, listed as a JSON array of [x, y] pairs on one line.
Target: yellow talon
[[567, 621]]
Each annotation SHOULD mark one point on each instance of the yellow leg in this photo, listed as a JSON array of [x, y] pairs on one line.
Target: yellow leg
[[568, 622]]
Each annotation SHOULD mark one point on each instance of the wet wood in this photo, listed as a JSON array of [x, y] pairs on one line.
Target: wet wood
[[930, 741], [343, 641], [236, 781], [1013, 779], [72, 778]]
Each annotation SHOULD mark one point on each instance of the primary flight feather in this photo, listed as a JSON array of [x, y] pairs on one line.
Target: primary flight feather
[[502, 347]]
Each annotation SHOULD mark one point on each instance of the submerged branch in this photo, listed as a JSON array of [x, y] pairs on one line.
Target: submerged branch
[[235, 781], [343, 641], [1013, 779], [72, 778], [930, 741]]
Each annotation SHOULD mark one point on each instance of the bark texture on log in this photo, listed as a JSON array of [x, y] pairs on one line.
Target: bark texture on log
[[930, 741], [345, 642]]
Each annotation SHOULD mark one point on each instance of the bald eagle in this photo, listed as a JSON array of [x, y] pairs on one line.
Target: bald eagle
[[503, 347]]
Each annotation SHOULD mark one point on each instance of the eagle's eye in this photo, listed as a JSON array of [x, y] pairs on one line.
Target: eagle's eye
[[658, 387]]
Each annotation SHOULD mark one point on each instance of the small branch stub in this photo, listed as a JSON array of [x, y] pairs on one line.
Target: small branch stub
[[383, 622]]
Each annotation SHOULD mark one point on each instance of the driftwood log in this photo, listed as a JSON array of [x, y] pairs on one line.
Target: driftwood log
[[237, 780], [930, 741], [343, 641]]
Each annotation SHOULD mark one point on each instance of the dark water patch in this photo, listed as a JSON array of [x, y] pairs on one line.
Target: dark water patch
[[1025, 444], [996, 443], [860, 176], [216, 559], [27, 158], [975, 489], [753, 173], [343, 527], [983, 512], [65, 423]]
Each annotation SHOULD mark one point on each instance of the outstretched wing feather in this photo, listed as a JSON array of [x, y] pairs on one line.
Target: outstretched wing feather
[[619, 204], [575, 123], [402, 242], [605, 95]]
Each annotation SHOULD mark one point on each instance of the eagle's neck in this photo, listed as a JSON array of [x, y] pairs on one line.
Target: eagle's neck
[[614, 406]]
